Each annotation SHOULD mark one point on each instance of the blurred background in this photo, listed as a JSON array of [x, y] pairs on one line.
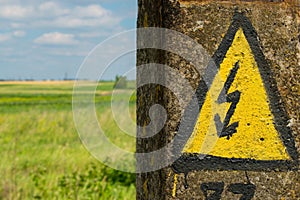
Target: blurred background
[[42, 46]]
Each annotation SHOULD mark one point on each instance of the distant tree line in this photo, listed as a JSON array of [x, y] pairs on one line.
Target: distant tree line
[[120, 82]]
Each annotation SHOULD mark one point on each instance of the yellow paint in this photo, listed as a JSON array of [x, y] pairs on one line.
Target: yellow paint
[[145, 187], [157, 91], [174, 185], [146, 20], [293, 194], [144, 132], [152, 161], [256, 137]]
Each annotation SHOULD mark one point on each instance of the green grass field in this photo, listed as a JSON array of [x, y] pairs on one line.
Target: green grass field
[[42, 155]]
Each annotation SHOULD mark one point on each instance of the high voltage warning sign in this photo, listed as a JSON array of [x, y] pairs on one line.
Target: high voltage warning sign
[[241, 124]]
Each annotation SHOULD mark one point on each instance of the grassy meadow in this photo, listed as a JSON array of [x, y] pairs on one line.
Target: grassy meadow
[[42, 156]]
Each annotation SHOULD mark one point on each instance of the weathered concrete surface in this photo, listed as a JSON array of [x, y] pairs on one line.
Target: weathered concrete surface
[[277, 25], [148, 95]]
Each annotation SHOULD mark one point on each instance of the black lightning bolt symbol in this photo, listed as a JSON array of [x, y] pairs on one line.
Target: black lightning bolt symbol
[[224, 129]]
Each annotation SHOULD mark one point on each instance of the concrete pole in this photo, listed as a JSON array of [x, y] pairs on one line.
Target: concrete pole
[[241, 140]]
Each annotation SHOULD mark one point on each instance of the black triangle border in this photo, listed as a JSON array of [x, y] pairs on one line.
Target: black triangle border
[[190, 162]]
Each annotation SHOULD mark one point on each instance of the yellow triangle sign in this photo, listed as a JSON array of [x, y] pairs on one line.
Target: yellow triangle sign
[[240, 124], [256, 136]]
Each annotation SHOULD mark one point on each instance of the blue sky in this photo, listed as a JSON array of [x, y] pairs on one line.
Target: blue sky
[[50, 39]]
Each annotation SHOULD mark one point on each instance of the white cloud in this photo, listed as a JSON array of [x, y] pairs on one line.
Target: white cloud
[[91, 11], [76, 22], [52, 14], [5, 37], [16, 25], [8, 36], [51, 8], [19, 33], [16, 11], [80, 16], [56, 38], [9, 1]]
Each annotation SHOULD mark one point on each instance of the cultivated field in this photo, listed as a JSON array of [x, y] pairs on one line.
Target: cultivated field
[[41, 154]]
